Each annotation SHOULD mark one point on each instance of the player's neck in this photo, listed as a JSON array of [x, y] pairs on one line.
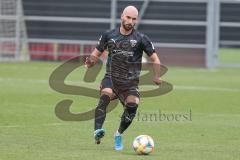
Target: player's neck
[[125, 32]]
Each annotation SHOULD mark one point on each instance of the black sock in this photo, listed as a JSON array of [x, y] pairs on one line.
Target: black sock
[[127, 116], [100, 111]]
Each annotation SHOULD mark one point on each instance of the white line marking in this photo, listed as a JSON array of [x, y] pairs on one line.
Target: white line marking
[[178, 87], [204, 88], [27, 126], [46, 125]]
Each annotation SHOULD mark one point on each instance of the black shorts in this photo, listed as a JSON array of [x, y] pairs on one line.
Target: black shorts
[[121, 90]]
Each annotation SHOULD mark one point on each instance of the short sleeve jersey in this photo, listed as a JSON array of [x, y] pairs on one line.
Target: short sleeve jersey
[[124, 53]]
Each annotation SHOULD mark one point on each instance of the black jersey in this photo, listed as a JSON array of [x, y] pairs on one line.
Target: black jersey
[[124, 54]]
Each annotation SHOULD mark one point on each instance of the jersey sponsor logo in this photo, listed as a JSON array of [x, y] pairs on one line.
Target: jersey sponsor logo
[[125, 53], [133, 43]]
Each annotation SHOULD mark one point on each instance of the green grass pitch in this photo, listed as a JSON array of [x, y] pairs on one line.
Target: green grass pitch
[[30, 130]]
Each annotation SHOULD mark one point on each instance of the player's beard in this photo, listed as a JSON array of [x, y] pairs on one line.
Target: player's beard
[[126, 26]]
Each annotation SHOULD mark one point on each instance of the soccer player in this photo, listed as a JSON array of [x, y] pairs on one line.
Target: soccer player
[[125, 47]]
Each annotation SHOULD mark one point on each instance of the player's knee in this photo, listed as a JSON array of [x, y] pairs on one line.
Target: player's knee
[[107, 91], [130, 111], [132, 99]]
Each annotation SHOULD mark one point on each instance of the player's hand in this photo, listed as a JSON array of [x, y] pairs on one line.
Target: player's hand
[[88, 62], [157, 80]]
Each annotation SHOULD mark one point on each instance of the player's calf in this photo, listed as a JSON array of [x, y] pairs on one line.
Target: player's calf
[[100, 111], [126, 119], [127, 116], [100, 115]]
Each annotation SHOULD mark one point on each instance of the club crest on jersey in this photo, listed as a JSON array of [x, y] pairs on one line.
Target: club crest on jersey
[[133, 43]]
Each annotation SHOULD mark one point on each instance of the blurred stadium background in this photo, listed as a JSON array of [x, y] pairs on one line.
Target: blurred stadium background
[[185, 32], [198, 40]]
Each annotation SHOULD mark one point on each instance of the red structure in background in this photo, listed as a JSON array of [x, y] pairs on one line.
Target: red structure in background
[[57, 52], [67, 51], [61, 52], [40, 51], [8, 49]]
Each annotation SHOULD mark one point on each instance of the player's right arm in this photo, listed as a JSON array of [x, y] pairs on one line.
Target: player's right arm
[[101, 46], [93, 58]]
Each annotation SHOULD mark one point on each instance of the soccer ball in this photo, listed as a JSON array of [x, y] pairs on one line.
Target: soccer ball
[[143, 145]]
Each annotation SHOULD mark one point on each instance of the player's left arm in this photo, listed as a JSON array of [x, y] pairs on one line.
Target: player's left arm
[[156, 68], [150, 51]]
